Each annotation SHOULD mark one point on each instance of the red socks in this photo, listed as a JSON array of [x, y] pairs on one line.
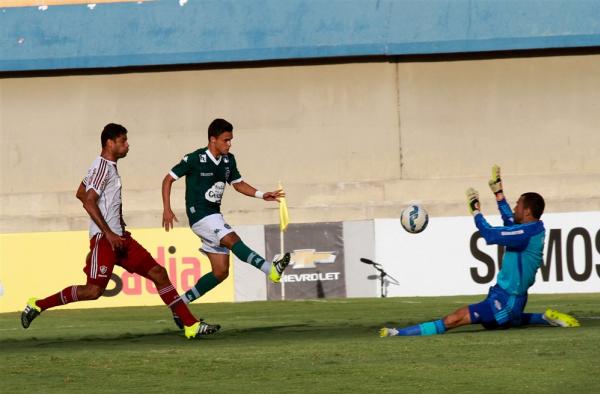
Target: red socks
[[171, 298], [66, 296]]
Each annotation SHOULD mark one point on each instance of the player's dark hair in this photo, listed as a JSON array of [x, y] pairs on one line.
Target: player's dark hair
[[111, 132], [218, 127], [535, 203]]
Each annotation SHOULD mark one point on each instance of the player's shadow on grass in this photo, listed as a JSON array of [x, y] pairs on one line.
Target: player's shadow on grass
[[302, 332], [167, 336]]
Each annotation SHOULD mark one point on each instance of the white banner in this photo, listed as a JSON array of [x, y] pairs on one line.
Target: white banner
[[449, 258]]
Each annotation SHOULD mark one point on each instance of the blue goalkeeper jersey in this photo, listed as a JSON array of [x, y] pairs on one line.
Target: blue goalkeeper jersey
[[524, 249]]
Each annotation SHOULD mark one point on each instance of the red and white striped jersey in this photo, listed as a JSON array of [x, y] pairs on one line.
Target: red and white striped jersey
[[104, 178]]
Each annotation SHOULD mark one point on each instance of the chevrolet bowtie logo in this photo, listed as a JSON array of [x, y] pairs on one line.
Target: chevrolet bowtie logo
[[307, 258]]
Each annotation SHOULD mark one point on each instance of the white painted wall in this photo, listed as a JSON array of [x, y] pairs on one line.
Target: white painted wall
[[438, 260], [351, 141]]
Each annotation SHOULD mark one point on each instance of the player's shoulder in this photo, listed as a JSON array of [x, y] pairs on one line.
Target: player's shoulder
[[529, 228], [195, 156], [231, 155], [99, 161], [230, 158]]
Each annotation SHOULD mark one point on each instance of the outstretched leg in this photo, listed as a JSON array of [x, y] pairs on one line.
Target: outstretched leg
[[219, 261], [66, 296], [458, 318], [220, 271], [101, 255], [139, 261], [273, 270]]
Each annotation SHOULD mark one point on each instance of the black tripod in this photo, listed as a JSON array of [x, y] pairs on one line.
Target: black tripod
[[383, 282]]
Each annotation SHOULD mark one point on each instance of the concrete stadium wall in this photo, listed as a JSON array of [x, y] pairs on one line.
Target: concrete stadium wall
[[209, 31], [349, 141]]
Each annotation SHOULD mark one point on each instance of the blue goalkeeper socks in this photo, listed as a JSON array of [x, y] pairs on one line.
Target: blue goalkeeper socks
[[427, 328], [533, 318]]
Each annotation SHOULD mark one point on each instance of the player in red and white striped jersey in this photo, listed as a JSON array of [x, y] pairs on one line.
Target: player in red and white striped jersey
[[110, 244]]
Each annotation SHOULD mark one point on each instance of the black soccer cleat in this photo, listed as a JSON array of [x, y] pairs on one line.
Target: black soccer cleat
[[30, 312], [178, 321], [200, 329], [277, 268]]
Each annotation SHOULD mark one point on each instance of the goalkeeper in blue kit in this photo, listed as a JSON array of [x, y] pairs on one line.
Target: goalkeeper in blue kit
[[523, 236]]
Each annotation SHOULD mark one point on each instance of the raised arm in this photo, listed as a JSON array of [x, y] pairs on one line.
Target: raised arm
[[248, 190], [514, 236], [495, 183], [168, 215]]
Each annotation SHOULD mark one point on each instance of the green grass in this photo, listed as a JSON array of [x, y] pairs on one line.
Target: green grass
[[300, 346]]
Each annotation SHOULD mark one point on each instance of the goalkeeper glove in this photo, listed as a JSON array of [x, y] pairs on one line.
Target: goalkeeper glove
[[495, 181], [473, 201]]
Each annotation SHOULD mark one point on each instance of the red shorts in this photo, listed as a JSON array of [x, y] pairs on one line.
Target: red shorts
[[102, 259]]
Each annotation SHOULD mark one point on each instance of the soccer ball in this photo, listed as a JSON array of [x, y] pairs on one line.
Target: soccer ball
[[414, 218]]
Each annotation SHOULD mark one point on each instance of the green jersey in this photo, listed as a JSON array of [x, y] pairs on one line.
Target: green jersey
[[205, 181]]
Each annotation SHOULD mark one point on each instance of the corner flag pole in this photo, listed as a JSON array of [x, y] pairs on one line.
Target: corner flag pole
[[284, 220], [281, 251]]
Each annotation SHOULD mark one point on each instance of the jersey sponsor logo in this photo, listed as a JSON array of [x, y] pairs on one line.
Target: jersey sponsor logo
[[202, 158], [215, 193], [206, 174], [185, 158]]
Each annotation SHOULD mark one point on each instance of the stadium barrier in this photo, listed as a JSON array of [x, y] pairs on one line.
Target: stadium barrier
[[40, 264], [451, 258], [448, 258]]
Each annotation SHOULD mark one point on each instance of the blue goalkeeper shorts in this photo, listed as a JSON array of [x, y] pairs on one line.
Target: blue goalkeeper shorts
[[499, 309]]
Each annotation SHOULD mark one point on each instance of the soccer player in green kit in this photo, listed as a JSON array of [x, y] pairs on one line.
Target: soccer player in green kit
[[206, 172]]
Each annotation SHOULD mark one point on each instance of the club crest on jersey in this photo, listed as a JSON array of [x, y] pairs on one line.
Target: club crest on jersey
[[202, 158], [103, 269], [215, 193], [226, 159]]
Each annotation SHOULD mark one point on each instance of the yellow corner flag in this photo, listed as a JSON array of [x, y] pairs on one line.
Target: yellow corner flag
[[284, 218]]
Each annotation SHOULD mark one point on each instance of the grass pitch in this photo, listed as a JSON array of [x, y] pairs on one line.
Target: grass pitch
[[300, 346]]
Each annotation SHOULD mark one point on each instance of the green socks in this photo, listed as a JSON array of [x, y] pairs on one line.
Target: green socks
[[210, 281], [246, 254], [206, 283]]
